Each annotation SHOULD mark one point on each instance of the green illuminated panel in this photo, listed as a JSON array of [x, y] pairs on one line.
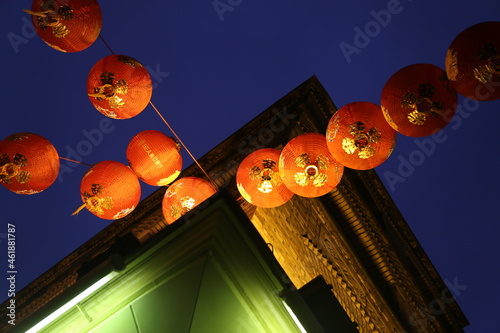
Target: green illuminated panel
[[170, 307], [122, 321], [208, 277], [219, 309]]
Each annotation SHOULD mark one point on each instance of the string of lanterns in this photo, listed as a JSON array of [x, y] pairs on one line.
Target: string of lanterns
[[119, 87], [417, 100]]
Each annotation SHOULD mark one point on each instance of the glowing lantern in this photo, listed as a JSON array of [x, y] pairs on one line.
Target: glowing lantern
[[119, 86], [307, 167], [359, 137], [258, 179], [473, 62], [154, 157], [67, 25], [184, 195], [29, 163], [418, 101], [110, 190]]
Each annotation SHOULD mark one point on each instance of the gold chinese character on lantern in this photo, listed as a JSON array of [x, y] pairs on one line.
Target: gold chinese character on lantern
[[361, 140]]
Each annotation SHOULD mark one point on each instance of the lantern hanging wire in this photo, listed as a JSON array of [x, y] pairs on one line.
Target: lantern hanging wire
[[106, 44], [68, 159]]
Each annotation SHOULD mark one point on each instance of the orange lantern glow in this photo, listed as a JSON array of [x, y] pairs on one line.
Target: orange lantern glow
[[67, 25], [110, 190], [119, 86], [307, 167], [417, 100], [258, 179], [154, 157], [183, 195], [29, 163], [359, 137], [473, 62]]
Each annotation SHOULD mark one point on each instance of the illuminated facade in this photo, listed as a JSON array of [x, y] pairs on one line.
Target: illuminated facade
[[343, 262]]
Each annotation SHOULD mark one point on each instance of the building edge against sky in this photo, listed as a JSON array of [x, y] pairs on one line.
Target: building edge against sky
[[354, 237]]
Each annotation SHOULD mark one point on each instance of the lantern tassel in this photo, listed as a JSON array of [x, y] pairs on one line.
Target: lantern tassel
[[98, 95], [41, 14], [78, 210], [44, 14]]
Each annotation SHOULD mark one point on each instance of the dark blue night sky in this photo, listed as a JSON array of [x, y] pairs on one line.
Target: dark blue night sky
[[215, 65]]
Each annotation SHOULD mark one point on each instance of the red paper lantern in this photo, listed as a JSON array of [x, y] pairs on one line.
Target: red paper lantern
[[67, 25], [359, 137], [417, 100], [154, 157], [110, 190], [258, 179], [183, 195], [29, 163], [307, 167], [473, 62], [119, 86]]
